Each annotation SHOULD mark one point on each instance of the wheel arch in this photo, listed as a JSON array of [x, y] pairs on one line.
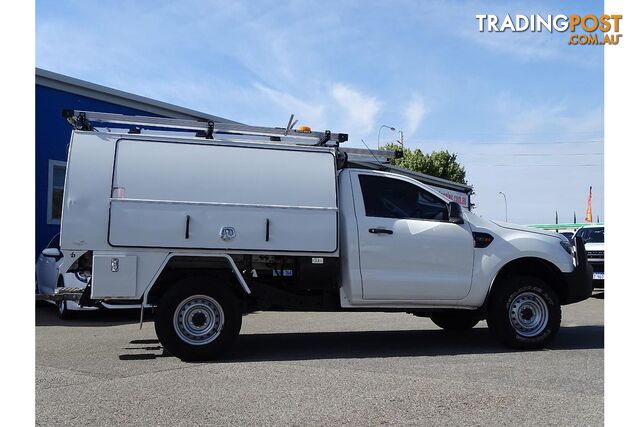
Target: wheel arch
[[530, 266], [178, 266]]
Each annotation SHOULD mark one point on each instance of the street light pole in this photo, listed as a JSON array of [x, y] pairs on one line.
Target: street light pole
[[384, 126], [505, 206]]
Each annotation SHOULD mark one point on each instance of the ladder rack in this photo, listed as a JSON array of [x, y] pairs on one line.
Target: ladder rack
[[85, 120]]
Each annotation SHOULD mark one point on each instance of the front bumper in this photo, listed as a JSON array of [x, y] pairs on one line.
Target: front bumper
[[580, 280], [598, 272], [74, 306]]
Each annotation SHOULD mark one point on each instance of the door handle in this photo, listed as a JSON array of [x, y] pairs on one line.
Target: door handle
[[380, 231]]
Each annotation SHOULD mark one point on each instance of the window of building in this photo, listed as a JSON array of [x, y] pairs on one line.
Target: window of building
[[57, 170], [393, 198]]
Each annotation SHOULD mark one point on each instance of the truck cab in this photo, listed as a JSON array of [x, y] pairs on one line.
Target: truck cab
[[208, 227], [405, 248]]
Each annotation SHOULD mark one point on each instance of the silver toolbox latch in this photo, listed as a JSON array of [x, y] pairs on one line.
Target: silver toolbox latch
[[115, 265]]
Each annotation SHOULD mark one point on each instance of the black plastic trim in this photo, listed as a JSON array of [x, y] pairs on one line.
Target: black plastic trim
[[580, 280], [481, 240]]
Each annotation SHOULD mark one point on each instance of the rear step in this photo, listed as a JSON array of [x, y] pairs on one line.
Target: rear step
[[62, 294]]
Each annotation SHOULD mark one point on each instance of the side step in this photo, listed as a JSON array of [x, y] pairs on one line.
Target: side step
[[62, 294]]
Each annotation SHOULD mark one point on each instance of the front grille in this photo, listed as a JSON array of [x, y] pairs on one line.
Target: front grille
[[598, 267], [595, 254]]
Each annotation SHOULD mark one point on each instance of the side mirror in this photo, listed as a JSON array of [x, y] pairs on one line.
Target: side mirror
[[455, 213], [52, 252]]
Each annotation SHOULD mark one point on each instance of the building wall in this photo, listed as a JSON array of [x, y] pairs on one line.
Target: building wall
[[52, 138]]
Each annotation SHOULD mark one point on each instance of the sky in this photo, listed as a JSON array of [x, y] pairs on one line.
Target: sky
[[523, 111]]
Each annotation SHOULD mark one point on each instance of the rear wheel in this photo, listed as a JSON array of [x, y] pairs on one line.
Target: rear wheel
[[525, 313], [456, 321], [198, 319]]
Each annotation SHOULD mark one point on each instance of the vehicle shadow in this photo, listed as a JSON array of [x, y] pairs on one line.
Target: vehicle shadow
[[376, 344], [48, 316]]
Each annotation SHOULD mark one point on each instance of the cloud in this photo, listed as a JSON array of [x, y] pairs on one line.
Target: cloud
[[549, 119], [361, 110], [413, 114], [526, 47], [306, 112], [457, 19]]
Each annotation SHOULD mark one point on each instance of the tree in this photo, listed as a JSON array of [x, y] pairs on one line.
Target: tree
[[439, 163]]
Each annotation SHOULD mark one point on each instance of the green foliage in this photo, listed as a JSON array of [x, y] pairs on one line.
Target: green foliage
[[439, 163]]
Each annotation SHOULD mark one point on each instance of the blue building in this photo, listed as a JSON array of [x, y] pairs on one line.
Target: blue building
[[55, 92]]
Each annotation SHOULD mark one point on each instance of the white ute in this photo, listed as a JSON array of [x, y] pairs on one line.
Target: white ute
[[210, 221]]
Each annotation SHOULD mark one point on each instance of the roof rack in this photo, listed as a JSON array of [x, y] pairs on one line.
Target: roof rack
[[85, 120]]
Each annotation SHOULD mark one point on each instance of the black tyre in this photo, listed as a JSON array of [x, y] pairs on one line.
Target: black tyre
[[63, 312], [198, 319], [524, 313], [456, 321]]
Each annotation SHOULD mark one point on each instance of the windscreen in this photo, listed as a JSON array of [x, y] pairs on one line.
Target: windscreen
[[592, 235]]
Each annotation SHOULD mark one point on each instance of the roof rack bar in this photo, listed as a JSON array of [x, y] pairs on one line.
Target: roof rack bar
[[85, 120], [365, 152]]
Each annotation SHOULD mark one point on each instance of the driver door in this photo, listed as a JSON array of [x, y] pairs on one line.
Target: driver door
[[408, 248]]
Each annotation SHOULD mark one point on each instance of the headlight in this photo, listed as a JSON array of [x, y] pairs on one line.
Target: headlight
[[567, 246], [83, 276]]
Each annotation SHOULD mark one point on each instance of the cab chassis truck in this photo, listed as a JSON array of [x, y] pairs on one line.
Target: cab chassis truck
[[210, 221]]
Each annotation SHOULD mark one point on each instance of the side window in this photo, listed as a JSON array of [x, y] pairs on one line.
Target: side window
[[393, 198], [57, 170]]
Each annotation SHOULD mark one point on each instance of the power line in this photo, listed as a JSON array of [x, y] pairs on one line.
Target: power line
[[515, 133], [548, 165], [532, 154], [595, 141]]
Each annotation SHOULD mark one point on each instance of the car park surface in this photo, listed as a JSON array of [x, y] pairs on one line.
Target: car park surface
[[319, 368]]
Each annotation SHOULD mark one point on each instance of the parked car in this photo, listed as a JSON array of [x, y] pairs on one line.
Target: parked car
[[567, 234], [48, 278], [593, 237]]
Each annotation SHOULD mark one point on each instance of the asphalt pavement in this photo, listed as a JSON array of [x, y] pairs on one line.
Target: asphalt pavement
[[319, 369]]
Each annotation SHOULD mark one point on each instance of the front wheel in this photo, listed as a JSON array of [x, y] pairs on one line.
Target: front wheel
[[63, 311], [524, 313], [198, 319]]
